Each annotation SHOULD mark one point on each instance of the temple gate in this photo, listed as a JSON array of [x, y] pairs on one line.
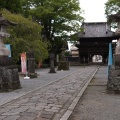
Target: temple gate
[[94, 40]]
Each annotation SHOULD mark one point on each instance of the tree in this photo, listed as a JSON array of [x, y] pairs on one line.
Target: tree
[[13, 6], [59, 18], [25, 35], [112, 7]]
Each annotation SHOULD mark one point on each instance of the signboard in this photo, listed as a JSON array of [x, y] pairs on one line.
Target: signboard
[[23, 63]]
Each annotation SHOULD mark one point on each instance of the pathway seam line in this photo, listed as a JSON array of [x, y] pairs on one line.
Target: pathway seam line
[[69, 111]]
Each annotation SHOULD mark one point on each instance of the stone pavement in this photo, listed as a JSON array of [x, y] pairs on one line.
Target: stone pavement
[[43, 79], [54, 101], [96, 103]]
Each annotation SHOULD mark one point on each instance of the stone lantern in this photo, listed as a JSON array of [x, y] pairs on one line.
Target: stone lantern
[[3, 34], [116, 18], [113, 84], [9, 79], [52, 67]]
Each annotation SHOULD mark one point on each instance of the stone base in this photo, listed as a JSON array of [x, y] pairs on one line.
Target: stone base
[[117, 60], [32, 75], [63, 65], [52, 70], [9, 78], [113, 84], [5, 61]]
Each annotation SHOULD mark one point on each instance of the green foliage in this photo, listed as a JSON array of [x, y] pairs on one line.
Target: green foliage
[[13, 6], [25, 35], [26, 6], [112, 7], [58, 18]]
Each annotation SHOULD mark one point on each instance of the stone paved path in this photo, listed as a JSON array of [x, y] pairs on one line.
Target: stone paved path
[[42, 79], [96, 103], [49, 102]]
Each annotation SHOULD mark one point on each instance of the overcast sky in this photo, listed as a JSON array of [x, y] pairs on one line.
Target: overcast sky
[[94, 10]]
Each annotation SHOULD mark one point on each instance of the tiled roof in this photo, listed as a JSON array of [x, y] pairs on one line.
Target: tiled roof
[[98, 29], [4, 21]]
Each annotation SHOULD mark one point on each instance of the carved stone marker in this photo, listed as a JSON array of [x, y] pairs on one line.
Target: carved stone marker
[[63, 64], [9, 78], [31, 64], [52, 67]]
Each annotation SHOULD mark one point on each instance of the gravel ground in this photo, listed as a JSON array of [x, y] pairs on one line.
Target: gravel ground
[[96, 103], [43, 79]]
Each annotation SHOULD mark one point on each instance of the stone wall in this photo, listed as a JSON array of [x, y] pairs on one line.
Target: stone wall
[[113, 84], [9, 78]]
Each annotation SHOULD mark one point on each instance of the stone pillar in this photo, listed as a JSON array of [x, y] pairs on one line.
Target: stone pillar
[[31, 65], [90, 58], [85, 59], [52, 67]]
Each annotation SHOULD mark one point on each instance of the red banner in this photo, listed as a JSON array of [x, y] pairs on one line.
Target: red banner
[[23, 63]]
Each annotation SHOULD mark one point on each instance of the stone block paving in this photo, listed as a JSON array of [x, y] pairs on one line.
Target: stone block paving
[[49, 102]]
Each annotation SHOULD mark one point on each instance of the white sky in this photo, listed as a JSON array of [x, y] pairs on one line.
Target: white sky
[[94, 10]]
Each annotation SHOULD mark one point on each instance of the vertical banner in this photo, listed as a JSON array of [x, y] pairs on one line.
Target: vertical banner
[[23, 63], [9, 48]]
